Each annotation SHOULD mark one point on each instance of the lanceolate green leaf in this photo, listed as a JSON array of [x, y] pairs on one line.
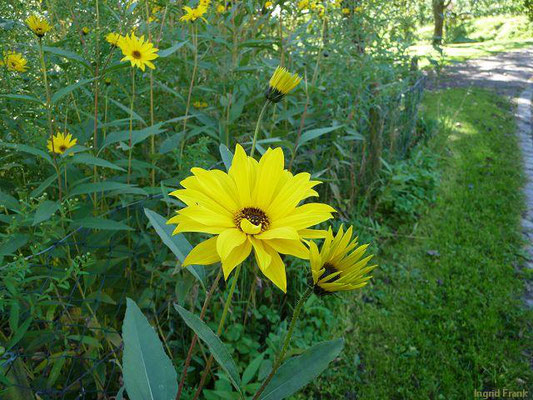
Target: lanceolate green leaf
[[21, 97], [28, 149], [314, 133], [100, 187], [168, 51], [66, 90], [67, 54], [227, 155], [102, 223], [216, 347], [88, 159], [147, 370], [137, 136], [176, 243], [298, 371], [45, 210], [9, 201]]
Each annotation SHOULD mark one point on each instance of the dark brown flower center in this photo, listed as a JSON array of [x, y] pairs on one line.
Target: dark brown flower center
[[136, 54], [62, 148], [253, 215], [329, 270]]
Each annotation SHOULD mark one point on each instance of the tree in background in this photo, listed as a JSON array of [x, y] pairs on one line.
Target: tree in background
[[528, 8], [439, 6]]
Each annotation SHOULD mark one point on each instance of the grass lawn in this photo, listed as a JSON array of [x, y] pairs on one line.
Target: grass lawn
[[444, 315], [482, 37]]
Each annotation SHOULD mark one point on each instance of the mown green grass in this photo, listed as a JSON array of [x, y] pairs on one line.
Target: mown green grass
[[444, 315], [483, 37]]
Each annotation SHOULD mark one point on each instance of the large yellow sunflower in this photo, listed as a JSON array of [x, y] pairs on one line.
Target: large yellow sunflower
[[340, 265], [38, 25], [15, 62], [137, 51], [256, 205], [61, 143]]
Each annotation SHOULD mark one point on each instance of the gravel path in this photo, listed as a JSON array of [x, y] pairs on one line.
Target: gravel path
[[509, 74], [506, 73]]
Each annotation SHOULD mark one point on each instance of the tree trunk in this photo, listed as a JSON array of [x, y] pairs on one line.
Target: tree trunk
[[438, 14]]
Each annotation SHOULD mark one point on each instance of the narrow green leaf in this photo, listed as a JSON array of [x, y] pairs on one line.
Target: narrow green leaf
[[137, 136], [252, 369], [21, 97], [19, 334], [168, 51], [45, 210], [128, 111], [147, 370], [88, 159], [66, 90], [100, 187], [102, 223], [298, 371], [314, 133], [13, 243], [66, 54], [226, 154], [28, 149], [43, 186], [216, 347], [9, 201], [176, 243]]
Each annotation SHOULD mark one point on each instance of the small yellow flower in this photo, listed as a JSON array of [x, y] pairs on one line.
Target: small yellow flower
[[138, 52], [320, 9], [358, 9], [221, 8], [268, 4], [200, 104], [346, 11], [114, 38], [337, 3], [281, 83], [255, 205], [204, 3], [192, 14], [340, 265], [85, 30], [38, 25], [61, 143], [14, 62], [303, 4]]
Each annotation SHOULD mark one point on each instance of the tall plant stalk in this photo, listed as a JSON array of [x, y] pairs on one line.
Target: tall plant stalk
[[49, 114], [191, 85], [257, 127], [130, 140], [286, 342], [219, 331]]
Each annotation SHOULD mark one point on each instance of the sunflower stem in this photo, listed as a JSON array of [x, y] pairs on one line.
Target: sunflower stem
[[286, 342], [131, 122], [257, 126], [191, 85], [195, 337], [49, 113], [207, 368]]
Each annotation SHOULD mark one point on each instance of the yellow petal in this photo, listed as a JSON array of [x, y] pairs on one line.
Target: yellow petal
[[237, 256], [293, 247], [204, 253], [249, 228], [279, 233], [261, 255], [276, 271], [228, 240]]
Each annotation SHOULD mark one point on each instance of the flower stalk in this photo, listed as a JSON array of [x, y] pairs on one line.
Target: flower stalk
[[219, 331], [286, 342], [257, 126]]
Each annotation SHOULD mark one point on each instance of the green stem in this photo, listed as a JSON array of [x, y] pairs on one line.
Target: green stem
[[131, 122], [254, 141], [219, 331], [49, 113], [191, 86], [281, 355]]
